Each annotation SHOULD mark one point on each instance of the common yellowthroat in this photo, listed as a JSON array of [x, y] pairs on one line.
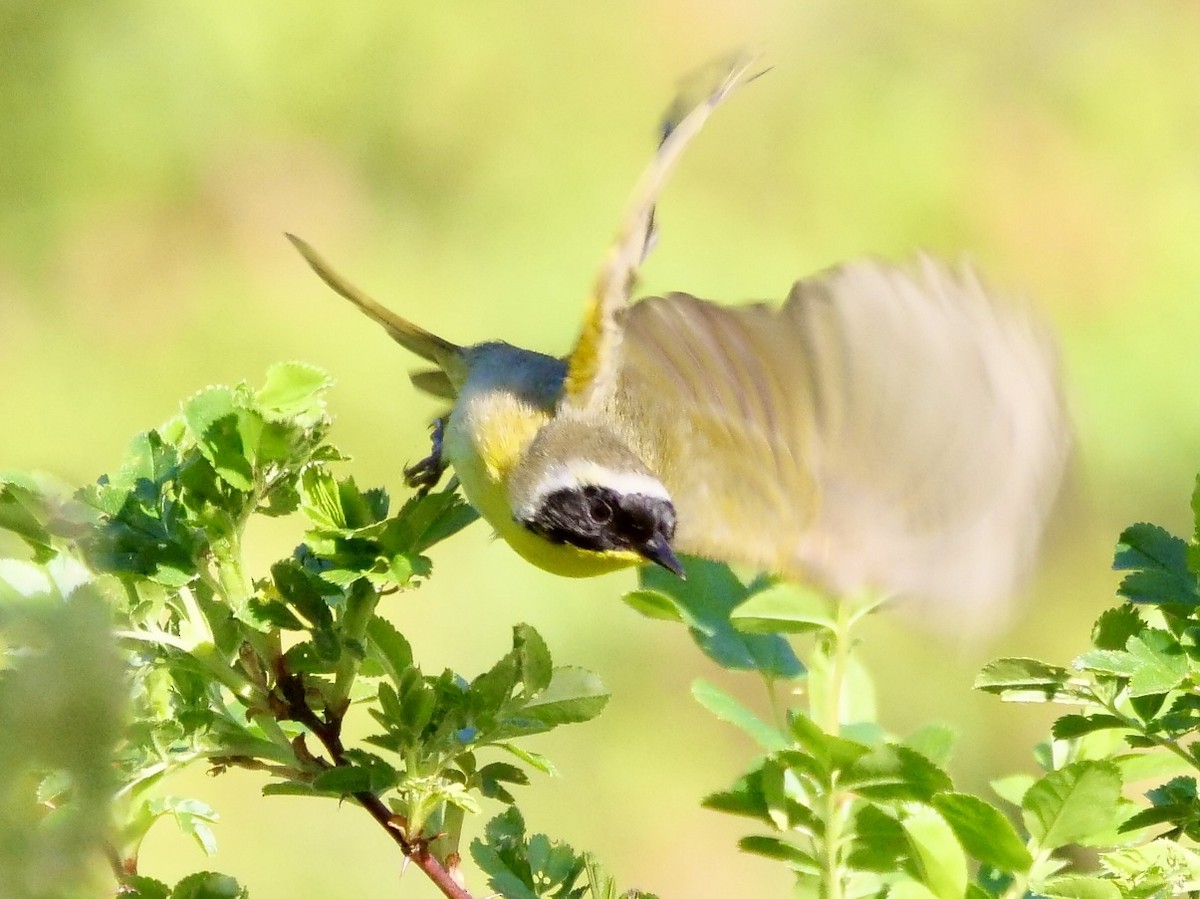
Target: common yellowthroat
[[893, 428]]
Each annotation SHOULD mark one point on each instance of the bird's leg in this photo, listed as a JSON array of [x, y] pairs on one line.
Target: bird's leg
[[424, 475]]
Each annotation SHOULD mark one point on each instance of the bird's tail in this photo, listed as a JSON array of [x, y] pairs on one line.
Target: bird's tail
[[445, 355]]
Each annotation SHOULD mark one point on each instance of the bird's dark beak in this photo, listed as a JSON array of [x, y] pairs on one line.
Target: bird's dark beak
[[658, 551]]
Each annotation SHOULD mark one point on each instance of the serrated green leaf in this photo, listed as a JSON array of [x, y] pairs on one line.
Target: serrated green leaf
[[320, 498], [501, 878], [728, 709], [705, 601], [427, 520], [1073, 804], [19, 513], [389, 647], [1015, 674], [534, 759], [504, 772], [985, 833], [138, 887], [890, 773], [906, 888], [267, 615], [879, 843], [941, 864], [653, 604], [533, 657], [574, 695], [784, 608], [343, 780], [1078, 886], [303, 592], [1013, 787], [934, 741], [293, 390], [1159, 564], [1115, 626], [1069, 727], [225, 433], [781, 850], [1160, 663], [209, 885], [832, 753], [745, 798]]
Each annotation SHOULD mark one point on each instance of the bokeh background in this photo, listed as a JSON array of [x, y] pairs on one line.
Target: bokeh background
[[467, 162]]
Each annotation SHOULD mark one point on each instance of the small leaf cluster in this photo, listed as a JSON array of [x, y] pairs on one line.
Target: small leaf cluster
[[851, 811], [209, 664], [532, 867], [1135, 715]]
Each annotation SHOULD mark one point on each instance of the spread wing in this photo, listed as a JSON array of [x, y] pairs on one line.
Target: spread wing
[[885, 429], [591, 372]]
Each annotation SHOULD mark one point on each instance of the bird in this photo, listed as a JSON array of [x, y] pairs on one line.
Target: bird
[[894, 428]]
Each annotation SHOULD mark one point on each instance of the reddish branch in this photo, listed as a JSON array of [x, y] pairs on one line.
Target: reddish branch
[[329, 732]]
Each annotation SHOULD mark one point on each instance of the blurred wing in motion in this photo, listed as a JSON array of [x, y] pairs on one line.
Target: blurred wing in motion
[[885, 429], [591, 372]]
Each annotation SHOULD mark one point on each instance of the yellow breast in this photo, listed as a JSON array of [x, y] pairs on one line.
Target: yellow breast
[[485, 438]]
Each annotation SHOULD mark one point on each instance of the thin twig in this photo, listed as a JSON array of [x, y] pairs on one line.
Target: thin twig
[[329, 733]]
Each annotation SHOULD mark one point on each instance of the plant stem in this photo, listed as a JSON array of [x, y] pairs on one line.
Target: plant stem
[[329, 733], [832, 843]]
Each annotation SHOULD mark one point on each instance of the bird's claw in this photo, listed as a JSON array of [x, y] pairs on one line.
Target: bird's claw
[[424, 475]]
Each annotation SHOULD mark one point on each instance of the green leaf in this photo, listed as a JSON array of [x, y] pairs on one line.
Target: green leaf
[[728, 709], [1115, 626], [705, 601], [894, 772], [1078, 886], [783, 608], [343, 780], [879, 843], [293, 390], [534, 759], [653, 604], [832, 753], [904, 888], [1069, 727], [1153, 661], [533, 657], [744, 798], [494, 688], [304, 592], [389, 647], [225, 434], [209, 885], [934, 741], [574, 695], [941, 864], [1013, 787], [985, 833], [501, 878], [21, 513], [1161, 664], [320, 498], [427, 520], [138, 887], [1019, 676], [1159, 564], [1073, 804], [781, 850]]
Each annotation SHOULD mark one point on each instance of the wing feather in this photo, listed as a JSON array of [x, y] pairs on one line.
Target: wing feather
[[591, 372], [886, 428]]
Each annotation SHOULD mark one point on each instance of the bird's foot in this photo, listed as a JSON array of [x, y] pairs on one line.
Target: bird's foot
[[423, 476]]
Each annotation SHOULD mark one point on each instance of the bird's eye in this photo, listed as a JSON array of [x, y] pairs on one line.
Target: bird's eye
[[599, 509]]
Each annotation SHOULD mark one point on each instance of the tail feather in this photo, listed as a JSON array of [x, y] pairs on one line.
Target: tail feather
[[445, 355]]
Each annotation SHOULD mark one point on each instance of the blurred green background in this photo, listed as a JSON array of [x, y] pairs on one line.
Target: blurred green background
[[467, 162]]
